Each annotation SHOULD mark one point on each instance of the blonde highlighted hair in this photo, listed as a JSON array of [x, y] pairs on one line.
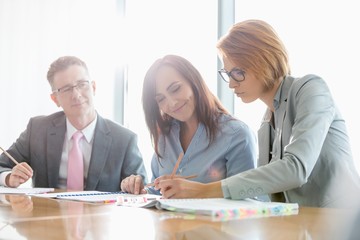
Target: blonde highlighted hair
[[254, 45]]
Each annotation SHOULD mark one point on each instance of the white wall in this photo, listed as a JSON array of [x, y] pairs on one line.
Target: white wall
[[33, 33]]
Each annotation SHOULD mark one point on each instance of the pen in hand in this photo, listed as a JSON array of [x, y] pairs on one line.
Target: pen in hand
[[7, 154], [183, 177], [23, 168], [174, 171]]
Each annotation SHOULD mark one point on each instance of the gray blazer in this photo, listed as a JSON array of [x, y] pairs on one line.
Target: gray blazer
[[115, 154], [304, 150]]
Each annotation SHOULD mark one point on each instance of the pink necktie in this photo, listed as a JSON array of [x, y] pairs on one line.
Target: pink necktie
[[75, 178]]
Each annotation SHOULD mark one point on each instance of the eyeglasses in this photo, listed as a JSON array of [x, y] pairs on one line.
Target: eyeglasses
[[80, 85], [237, 74]]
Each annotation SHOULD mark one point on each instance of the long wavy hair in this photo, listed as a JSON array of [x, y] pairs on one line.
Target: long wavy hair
[[208, 107]]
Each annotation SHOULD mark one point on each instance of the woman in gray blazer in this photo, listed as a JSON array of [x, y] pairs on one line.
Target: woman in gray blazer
[[304, 148]]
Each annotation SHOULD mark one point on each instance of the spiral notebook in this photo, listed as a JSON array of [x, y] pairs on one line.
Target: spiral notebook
[[99, 196], [220, 208], [27, 191], [90, 196]]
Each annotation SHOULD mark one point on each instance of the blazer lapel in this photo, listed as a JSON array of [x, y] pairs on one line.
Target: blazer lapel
[[55, 142], [99, 155], [266, 147], [264, 139], [282, 114]]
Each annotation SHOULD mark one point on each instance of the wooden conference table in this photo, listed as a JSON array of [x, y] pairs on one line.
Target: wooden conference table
[[27, 217]]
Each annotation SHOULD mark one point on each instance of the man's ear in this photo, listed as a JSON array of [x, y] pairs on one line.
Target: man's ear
[[54, 98], [93, 85]]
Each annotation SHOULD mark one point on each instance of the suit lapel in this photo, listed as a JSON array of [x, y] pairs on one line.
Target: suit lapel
[[55, 142], [264, 133], [282, 114], [264, 138], [100, 152]]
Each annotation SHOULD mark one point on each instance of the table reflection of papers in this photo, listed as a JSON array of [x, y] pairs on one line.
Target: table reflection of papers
[[188, 226]]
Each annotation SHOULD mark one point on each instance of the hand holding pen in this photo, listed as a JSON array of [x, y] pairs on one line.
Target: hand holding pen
[[173, 174], [20, 173], [134, 183]]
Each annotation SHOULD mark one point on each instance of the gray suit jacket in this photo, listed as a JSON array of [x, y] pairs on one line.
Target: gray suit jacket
[[115, 154], [304, 150]]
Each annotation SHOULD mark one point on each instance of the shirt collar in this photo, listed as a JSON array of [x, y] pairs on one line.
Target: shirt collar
[[88, 131], [281, 93]]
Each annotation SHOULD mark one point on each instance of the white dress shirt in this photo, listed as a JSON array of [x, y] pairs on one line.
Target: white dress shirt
[[86, 147]]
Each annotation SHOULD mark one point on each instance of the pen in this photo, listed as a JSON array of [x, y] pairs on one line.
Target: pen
[[177, 164], [184, 177], [174, 171], [7, 154]]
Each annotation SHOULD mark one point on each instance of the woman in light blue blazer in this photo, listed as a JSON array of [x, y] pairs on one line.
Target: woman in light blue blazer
[[304, 148]]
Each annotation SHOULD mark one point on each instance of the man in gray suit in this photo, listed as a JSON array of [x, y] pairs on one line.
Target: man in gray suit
[[110, 151]]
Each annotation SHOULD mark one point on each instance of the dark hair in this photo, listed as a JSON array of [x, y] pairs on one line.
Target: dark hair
[[208, 106], [62, 63]]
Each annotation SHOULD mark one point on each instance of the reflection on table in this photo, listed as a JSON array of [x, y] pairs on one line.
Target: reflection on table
[[24, 217]]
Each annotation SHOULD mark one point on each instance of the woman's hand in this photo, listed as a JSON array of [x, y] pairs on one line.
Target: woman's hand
[[179, 187], [133, 184]]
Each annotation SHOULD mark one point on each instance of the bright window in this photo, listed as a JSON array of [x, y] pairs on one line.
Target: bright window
[[322, 37], [156, 28]]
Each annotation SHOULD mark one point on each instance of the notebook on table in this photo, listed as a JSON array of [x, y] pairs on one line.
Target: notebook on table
[[220, 208], [98, 196], [27, 191]]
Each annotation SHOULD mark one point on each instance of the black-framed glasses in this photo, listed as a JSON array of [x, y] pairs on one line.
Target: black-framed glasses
[[80, 85], [237, 74]]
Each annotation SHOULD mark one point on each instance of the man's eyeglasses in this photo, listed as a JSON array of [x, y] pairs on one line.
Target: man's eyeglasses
[[237, 74], [80, 85]]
